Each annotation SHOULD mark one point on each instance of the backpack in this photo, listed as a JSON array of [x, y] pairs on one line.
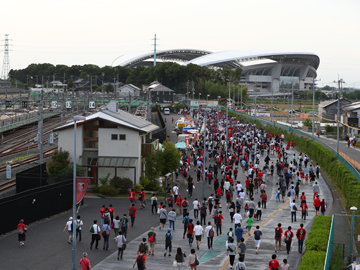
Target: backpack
[[186, 221], [184, 204], [185, 174], [294, 207], [92, 229], [123, 223], [168, 239], [106, 217], [142, 247], [211, 232], [217, 219], [287, 237], [140, 197], [139, 261], [203, 211], [228, 196], [78, 224], [131, 211], [277, 233], [210, 201]]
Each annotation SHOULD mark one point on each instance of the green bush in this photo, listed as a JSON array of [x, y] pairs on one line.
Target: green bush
[[123, 184], [95, 189], [313, 260], [109, 190], [104, 180], [138, 187]]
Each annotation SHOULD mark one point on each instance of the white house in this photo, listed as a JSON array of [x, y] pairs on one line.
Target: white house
[[109, 141], [127, 89]]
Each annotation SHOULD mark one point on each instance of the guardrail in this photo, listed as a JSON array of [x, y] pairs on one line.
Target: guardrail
[[329, 250], [339, 158]]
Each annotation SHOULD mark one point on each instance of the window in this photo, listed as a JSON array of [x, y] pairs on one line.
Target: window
[[114, 137], [122, 137]]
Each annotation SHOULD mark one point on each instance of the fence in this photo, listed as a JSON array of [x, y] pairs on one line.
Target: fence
[[30, 178], [339, 157], [338, 249], [35, 204], [161, 134]]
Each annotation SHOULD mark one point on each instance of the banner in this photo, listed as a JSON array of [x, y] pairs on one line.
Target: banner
[[81, 186], [187, 141], [230, 132]]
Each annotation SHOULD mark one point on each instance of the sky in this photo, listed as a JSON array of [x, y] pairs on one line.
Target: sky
[[97, 32]]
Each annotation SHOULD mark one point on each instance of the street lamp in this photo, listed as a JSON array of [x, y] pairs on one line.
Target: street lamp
[[76, 119], [353, 210], [292, 103], [340, 82], [199, 95], [217, 110], [313, 117], [207, 98]]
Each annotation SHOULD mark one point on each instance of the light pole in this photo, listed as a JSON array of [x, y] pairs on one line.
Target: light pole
[[241, 98], [76, 119], [292, 103], [203, 190], [313, 107], [207, 98], [353, 210], [199, 95], [340, 82], [217, 110], [272, 98]]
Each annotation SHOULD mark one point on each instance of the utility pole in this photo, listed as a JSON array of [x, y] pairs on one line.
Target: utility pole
[[227, 121], [62, 109], [40, 132], [187, 93], [203, 190], [129, 106], [6, 61], [155, 51], [340, 82], [241, 98], [272, 97]]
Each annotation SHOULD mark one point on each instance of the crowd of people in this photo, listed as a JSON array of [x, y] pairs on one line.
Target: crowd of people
[[221, 152]]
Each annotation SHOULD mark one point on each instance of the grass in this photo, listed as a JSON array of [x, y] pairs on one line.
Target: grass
[[17, 158]]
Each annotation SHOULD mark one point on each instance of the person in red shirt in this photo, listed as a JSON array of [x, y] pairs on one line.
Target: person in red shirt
[[302, 197], [132, 213], [190, 232], [85, 263], [247, 182], [300, 234], [218, 222], [304, 207], [273, 263], [218, 192], [178, 203], [288, 235], [21, 228], [278, 234], [102, 211], [317, 205], [142, 198], [260, 175], [132, 196], [112, 212], [140, 260]]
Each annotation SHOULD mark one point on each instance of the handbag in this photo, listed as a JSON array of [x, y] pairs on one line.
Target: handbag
[[196, 260], [158, 211], [98, 237], [124, 244], [175, 263]]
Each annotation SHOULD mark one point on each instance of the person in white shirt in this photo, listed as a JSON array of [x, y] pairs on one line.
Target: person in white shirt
[[69, 226], [198, 231], [210, 237], [237, 219], [95, 236], [196, 208], [79, 223], [176, 192]]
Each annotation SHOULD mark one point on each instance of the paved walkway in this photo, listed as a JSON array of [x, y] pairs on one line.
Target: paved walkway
[[216, 259]]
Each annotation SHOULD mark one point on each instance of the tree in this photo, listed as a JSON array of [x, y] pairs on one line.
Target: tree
[[168, 159], [307, 123], [58, 161], [109, 88]]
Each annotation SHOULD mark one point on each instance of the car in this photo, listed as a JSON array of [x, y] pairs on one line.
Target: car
[[166, 111]]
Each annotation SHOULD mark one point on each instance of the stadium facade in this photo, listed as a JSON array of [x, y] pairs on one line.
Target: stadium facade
[[262, 71]]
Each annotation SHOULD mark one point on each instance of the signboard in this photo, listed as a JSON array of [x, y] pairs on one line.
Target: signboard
[[54, 104], [81, 186], [208, 103], [8, 172], [24, 104], [8, 103], [68, 104], [92, 105], [230, 132], [51, 138], [187, 142]]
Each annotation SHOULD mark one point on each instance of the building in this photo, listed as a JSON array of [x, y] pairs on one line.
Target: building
[[328, 109], [127, 89], [160, 94], [350, 115], [262, 71], [110, 141]]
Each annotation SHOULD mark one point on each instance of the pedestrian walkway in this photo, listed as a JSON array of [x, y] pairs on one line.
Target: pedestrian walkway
[[274, 213]]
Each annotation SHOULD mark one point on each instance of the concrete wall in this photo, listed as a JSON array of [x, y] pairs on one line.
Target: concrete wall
[[66, 141]]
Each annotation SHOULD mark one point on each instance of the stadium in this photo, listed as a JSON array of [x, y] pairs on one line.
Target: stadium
[[262, 71]]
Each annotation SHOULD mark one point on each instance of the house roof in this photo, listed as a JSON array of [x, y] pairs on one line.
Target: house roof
[[161, 88], [131, 86], [352, 106], [121, 118], [342, 100]]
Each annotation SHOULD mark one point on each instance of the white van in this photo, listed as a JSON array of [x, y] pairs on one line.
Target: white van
[[166, 111]]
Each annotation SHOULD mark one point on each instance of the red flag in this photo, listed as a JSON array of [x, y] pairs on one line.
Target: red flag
[[81, 186]]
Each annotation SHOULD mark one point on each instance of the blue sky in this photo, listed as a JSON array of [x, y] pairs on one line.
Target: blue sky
[[94, 32]]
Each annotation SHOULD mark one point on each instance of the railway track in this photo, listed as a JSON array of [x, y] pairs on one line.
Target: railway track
[[12, 183]]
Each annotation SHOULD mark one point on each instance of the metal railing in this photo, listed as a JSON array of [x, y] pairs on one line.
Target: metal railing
[[329, 250]]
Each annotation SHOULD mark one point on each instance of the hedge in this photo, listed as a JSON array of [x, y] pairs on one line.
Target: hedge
[[313, 260]]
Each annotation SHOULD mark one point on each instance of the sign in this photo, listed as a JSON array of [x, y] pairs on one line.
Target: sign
[[230, 132], [187, 142], [194, 140], [24, 104], [54, 104], [68, 104], [8, 172], [92, 105], [81, 186], [51, 138], [208, 103], [8, 103]]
